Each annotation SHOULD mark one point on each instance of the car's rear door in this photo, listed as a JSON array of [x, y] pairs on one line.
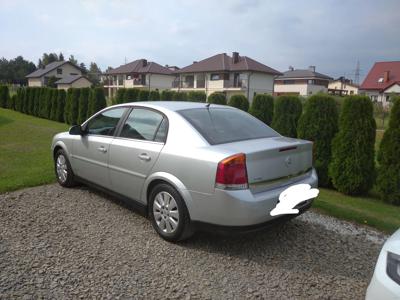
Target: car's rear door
[[135, 149], [90, 152]]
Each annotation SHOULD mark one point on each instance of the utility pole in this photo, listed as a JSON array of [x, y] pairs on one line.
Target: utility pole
[[357, 73]]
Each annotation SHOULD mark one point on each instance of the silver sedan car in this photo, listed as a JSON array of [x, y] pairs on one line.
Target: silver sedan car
[[187, 166]]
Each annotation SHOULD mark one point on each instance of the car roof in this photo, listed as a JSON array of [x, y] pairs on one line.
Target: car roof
[[170, 105]]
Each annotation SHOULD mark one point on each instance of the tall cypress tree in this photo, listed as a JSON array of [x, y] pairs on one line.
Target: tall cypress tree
[[60, 105], [319, 124], [97, 101], [388, 179], [83, 105], [262, 108], [288, 109], [352, 167], [74, 108]]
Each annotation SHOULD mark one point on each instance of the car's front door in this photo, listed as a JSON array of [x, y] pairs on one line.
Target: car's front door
[[135, 150], [90, 152]]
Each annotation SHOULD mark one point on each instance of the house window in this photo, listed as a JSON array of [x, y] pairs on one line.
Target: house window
[[59, 71], [226, 76], [387, 98], [128, 77], [289, 82], [215, 77], [73, 73], [380, 80], [310, 81]]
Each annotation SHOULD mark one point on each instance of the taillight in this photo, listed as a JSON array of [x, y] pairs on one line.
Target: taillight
[[232, 173]]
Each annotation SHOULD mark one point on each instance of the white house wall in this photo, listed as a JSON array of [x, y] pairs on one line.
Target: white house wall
[[301, 89], [158, 81]]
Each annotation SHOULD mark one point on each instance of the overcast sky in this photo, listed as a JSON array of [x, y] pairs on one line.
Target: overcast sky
[[330, 34]]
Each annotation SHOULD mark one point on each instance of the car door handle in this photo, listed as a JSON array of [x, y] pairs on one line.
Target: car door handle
[[102, 149], [144, 157]]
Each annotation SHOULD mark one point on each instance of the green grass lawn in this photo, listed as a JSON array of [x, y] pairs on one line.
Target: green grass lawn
[[25, 157], [364, 210]]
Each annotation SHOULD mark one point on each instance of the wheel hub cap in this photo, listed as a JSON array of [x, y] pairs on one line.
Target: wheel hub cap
[[61, 167], [165, 212]]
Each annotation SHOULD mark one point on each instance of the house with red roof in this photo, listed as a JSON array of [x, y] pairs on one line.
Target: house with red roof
[[230, 75], [382, 81]]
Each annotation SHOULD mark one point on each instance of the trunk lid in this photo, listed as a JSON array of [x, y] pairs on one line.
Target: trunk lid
[[273, 161]]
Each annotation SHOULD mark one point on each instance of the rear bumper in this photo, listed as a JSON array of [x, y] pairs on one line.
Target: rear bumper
[[241, 208], [220, 229]]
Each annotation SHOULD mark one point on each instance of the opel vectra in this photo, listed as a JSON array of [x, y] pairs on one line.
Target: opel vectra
[[186, 166]]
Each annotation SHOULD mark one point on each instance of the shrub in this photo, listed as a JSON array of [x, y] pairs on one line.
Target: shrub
[[319, 124], [287, 111], [67, 108], [352, 166], [120, 96], [217, 98], [74, 107], [30, 102], [154, 95], [143, 95], [166, 95], [97, 100], [4, 96], [262, 108], [83, 105], [53, 110], [196, 96], [239, 101], [131, 95], [388, 179], [60, 106]]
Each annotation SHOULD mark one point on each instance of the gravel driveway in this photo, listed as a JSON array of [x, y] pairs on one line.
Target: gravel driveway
[[71, 243]]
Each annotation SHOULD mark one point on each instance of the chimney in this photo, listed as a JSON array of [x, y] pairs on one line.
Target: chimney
[[291, 68], [195, 61], [386, 76], [144, 62], [235, 57], [311, 68]]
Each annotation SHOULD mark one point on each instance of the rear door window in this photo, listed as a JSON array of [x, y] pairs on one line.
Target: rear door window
[[142, 124], [226, 125]]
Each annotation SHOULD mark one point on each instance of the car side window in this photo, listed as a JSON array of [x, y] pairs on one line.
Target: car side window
[[106, 122], [161, 134], [141, 124]]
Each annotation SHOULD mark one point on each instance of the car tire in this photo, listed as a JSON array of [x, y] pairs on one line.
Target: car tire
[[168, 213], [63, 170]]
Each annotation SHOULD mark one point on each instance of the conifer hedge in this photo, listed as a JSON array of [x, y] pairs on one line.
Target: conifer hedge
[[239, 101], [388, 179], [67, 109], [74, 108], [131, 95], [120, 96], [53, 109], [166, 95], [287, 111], [4, 96], [154, 95], [143, 95], [319, 124], [19, 99], [197, 96], [217, 98], [97, 100], [83, 105], [180, 96], [352, 167], [60, 106]]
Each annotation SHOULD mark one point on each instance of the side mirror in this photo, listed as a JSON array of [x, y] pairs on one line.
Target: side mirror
[[76, 130]]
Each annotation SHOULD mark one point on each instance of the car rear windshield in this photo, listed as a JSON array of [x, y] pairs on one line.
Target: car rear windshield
[[226, 125]]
